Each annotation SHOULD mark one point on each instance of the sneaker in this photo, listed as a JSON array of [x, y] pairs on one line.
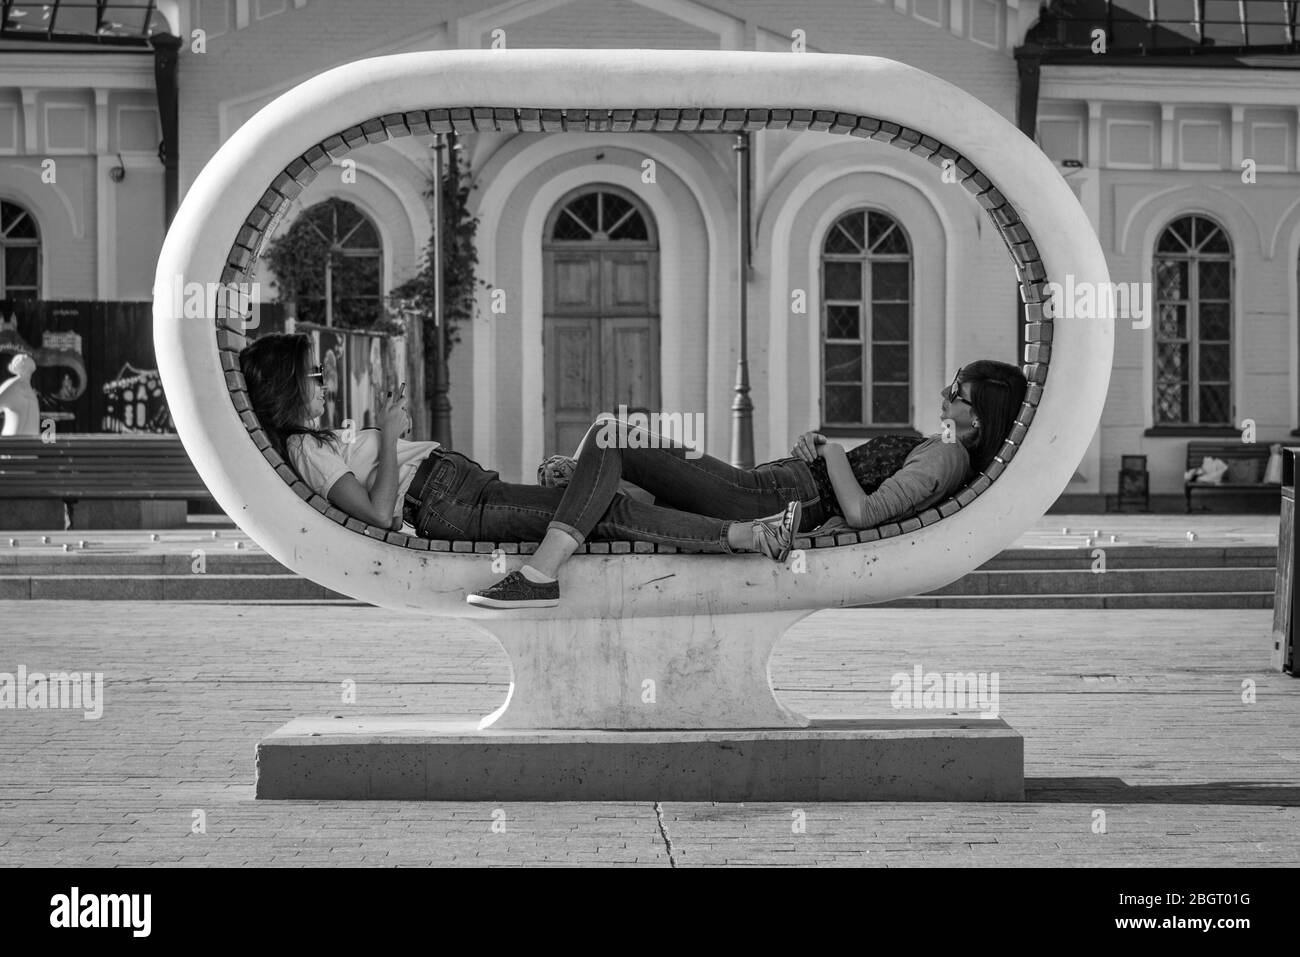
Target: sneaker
[[516, 591], [775, 539]]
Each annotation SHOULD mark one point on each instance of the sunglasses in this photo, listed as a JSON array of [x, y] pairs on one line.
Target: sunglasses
[[953, 392], [316, 373]]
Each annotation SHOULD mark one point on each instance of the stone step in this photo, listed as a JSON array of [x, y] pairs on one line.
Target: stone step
[[83, 563], [162, 588], [220, 558], [256, 563], [1053, 588], [1110, 581], [291, 588], [1134, 556], [1180, 600]]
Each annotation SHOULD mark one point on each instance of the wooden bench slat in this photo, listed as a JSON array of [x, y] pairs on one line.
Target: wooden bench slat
[[100, 471], [109, 466], [83, 462]]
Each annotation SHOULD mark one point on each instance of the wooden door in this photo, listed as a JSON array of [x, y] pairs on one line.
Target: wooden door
[[571, 347], [601, 339], [572, 364]]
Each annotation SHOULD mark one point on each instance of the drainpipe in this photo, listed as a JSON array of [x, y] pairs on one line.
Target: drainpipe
[[1029, 68], [164, 76]]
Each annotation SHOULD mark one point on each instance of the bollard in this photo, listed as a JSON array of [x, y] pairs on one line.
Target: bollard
[[1065, 531], [45, 539], [1191, 536], [1113, 539], [67, 547]]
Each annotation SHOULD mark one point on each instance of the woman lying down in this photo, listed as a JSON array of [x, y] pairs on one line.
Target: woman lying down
[[701, 504]]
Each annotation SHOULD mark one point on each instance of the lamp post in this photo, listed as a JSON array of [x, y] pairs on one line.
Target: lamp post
[[742, 409], [441, 403]]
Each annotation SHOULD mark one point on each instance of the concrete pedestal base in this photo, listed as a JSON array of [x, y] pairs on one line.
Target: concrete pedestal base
[[704, 671], [400, 758]]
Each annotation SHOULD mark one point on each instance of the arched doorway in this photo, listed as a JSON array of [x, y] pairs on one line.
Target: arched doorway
[[600, 324]]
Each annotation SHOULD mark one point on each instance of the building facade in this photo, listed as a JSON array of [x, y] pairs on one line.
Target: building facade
[[609, 260]]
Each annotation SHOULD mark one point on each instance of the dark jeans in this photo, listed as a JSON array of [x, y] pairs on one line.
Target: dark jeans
[[459, 500], [699, 486]]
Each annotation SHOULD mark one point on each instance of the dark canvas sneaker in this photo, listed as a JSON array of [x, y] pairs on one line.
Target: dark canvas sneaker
[[516, 591]]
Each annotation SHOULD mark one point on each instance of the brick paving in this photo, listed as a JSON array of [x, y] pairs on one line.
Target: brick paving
[[1137, 714]]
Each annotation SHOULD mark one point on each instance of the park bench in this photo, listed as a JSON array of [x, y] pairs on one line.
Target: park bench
[[1246, 462], [630, 608], [129, 470], [660, 656]]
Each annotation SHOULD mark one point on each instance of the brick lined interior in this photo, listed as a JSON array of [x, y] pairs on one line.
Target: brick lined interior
[[298, 174]]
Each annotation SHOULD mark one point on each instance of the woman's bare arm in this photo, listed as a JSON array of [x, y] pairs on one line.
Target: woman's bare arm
[[351, 496], [848, 492], [375, 507]]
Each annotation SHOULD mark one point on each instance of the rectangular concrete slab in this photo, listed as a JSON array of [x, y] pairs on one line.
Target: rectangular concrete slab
[[412, 758]]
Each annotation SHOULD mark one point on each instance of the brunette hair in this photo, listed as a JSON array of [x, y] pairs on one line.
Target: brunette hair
[[275, 369], [997, 390]]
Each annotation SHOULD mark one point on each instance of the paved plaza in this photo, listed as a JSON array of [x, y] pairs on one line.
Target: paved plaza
[[1152, 738]]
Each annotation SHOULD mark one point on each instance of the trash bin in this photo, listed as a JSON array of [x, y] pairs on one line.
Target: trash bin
[[1284, 595], [1134, 482]]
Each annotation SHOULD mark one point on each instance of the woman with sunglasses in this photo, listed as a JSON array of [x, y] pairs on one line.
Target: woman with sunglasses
[[884, 479], [382, 479]]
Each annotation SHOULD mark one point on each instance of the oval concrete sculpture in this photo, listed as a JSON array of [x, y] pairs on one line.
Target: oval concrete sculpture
[[630, 614]]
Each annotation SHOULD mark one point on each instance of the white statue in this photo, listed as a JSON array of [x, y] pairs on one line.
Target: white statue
[[18, 402]]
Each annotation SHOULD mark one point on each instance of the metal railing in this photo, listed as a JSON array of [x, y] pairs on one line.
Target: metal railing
[[1174, 26], [114, 22]]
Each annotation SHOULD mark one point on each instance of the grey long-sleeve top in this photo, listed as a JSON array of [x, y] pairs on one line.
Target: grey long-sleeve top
[[933, 471]]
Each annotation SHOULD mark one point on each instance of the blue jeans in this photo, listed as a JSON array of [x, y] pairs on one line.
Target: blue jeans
[[459, 500], [702, 486]]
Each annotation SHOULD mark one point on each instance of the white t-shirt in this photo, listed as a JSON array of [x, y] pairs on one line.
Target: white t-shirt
[[321, 466]]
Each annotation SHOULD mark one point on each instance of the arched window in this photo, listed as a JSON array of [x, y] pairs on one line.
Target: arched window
[[20, 253], [1193, 335], [601, 215], [866, 322], [330, 264]]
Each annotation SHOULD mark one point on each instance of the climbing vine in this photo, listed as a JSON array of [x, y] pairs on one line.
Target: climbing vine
[[460, 260]]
